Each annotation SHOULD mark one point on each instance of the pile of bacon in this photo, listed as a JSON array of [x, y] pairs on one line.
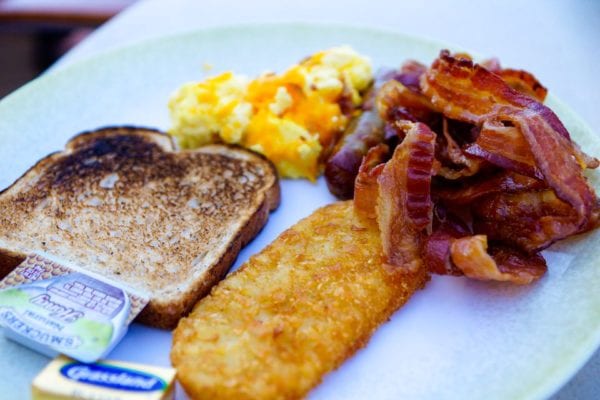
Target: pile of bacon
[[485, 176]]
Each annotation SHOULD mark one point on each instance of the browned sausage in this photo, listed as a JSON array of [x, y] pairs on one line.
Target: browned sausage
[[363, 132]]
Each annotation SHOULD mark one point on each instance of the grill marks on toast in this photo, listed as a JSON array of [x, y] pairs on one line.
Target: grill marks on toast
[[122, 203]]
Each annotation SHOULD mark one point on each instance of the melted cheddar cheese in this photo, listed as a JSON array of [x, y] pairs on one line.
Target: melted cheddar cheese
[[292, 118]]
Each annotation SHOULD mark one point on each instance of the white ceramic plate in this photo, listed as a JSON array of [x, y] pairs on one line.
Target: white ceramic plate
[[454, 339]]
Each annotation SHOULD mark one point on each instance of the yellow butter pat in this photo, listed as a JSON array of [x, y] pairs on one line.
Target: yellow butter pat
[[65, 378]]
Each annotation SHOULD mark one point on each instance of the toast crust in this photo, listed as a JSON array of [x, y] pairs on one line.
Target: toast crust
[[121, 201]]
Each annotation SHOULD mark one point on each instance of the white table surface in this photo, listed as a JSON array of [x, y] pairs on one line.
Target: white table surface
[[557, 40]]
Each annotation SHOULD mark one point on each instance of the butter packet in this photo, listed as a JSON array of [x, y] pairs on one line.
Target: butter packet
[[54, 308], [65, 379]]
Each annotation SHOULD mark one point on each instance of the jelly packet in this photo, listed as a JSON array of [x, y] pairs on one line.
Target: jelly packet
[[54, 308]]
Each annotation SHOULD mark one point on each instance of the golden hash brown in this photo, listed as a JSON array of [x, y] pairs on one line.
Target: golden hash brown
[[292, 313]]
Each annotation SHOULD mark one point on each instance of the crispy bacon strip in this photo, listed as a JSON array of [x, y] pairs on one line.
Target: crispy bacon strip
[[468, 92], [502, 182], [404, 207], [524, 82], [366, 188], [436, 247], [402, 98], [470, 255], [528, 188], [521, 81], [585, 161], [531, 220], [556, 160], [467, 165], [452, 249], [505, 147], [395, 101]]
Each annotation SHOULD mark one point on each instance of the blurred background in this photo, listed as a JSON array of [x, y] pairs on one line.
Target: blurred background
[[34, 33]]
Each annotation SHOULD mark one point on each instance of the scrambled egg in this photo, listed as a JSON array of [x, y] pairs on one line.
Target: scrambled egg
[[292, 118]]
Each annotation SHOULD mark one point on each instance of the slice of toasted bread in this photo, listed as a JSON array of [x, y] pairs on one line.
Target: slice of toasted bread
[[293, 312], [121, 202]]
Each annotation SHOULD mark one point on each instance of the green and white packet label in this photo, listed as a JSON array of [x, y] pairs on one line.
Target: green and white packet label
[[54, 308]]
